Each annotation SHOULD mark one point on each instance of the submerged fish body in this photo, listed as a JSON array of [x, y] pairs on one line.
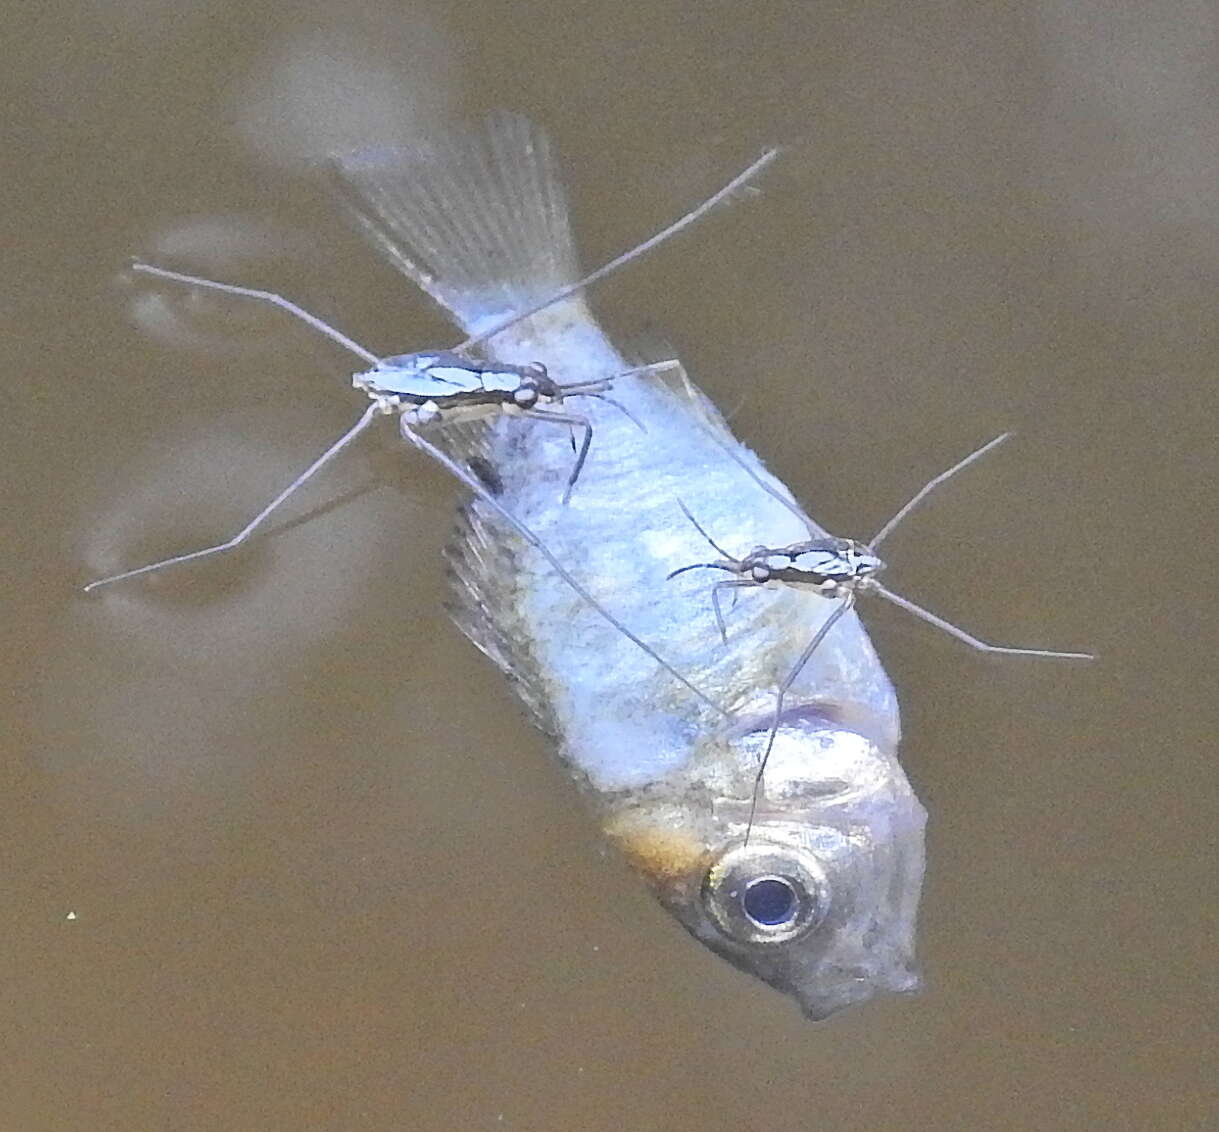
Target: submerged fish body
[[820, 898]]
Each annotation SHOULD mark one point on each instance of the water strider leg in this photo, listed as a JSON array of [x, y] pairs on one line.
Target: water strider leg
[[472, 483], [702, 531], [250, 527], [597, 390], [730, 451], [931, 485], [664, 234], [619, 406], [647, 369], [733, 584], [574, 421], [266, 297], [960, 634], [788, 681]]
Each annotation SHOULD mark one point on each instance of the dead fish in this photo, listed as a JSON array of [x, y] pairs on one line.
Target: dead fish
[[820, 898]]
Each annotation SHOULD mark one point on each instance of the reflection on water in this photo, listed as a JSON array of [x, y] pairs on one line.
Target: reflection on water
[[162, 669], [357, 79], [233, 247]]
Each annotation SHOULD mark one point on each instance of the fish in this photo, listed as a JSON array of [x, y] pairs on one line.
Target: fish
[[815, 891]]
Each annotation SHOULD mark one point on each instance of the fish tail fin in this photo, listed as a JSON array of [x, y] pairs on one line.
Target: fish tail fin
[[477, 218]]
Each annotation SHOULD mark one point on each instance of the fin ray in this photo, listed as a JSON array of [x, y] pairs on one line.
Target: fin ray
[[477, 219]]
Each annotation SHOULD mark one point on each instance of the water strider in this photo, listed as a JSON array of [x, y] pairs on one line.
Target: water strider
[[838, 569], [427, 389], [821, 902]]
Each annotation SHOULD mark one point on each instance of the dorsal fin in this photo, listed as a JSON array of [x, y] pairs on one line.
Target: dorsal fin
[[483, 569]]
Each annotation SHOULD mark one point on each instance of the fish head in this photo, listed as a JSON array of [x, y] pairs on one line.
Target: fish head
[[817, 893]]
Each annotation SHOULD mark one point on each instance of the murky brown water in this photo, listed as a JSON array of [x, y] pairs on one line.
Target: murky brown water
[[279, 850]]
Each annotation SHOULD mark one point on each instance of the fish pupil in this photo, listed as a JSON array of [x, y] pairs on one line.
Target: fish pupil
[[770, 901]]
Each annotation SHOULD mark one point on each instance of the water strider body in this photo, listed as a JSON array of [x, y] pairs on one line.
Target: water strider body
[[821, 902], [429, 389]]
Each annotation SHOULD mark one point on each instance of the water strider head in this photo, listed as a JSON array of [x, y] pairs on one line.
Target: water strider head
[[534, 387], [820, 901]]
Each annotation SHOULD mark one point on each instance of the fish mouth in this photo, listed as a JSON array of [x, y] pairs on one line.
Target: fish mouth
[[848, 986]]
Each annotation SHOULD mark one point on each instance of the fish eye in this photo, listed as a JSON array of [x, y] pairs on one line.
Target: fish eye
[[765, 893], [770, 900], [760, 572], [525, 396]]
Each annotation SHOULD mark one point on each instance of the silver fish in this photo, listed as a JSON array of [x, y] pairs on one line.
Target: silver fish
[[820, 901]]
